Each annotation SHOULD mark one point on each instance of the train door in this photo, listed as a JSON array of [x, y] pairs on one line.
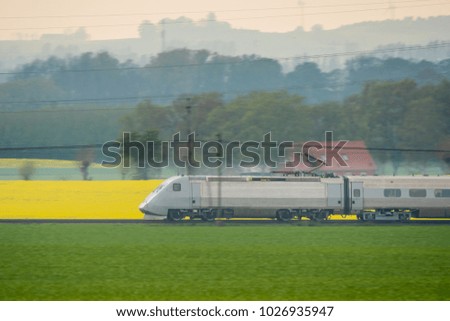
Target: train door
[[334, 195], [180, 194], [357, 197], [195, 195]]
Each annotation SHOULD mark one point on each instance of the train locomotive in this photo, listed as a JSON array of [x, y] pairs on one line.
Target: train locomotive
[[396, 198]]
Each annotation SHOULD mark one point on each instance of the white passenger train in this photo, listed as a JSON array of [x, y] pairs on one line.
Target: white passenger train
[[283, 198]]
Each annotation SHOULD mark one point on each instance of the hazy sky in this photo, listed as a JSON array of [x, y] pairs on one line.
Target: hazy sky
[[106, 19]]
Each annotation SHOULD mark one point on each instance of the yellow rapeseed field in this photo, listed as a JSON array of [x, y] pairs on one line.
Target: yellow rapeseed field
[[73, 199], [41, 163]]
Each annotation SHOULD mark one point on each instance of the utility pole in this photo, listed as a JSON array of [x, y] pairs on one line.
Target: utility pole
[[392, 9], [219, 173], [301, 4], [163, 35], [189, 130]]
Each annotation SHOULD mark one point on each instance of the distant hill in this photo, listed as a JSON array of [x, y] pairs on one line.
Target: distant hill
[[396, 38]]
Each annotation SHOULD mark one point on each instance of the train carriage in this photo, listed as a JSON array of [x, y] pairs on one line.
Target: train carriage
[[397, 197], [283, 198]]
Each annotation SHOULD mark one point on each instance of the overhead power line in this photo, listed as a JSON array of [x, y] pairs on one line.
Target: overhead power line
[[234, 62], [153, 97], [206, 11], [156, 97], [227, 19], [85, 146]]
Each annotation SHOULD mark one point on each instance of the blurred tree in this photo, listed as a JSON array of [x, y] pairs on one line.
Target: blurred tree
[[90, 76], [251, 116], [140, 159], [29, 93], [175, 72], [201, 107], [385, 105], [39, 68], [26, 170], [147, 116], [308, 80], [86, 157], [253, 73], [363, 69]]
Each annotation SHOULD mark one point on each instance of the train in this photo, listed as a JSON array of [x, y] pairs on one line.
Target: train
[[370, 198]]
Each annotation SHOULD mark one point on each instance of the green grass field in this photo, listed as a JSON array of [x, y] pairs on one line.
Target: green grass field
[[209, 262]]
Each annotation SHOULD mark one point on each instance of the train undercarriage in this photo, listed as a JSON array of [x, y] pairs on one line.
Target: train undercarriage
[[386, 215], [282, 215], [286, 215]]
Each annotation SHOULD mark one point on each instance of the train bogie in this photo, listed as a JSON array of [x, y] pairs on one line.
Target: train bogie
[[385, 215]]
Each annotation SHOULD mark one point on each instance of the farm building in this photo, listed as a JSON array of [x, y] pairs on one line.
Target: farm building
[[352, 158]]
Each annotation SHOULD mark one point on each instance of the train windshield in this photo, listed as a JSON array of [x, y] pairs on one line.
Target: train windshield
[[155, 191], [160, 187]]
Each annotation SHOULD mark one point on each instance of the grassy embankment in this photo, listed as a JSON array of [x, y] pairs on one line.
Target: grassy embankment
[[207, 262]]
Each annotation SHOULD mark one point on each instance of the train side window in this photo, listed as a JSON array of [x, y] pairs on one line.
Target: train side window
[[442, 192], [417, 193], [357, 193], [176, 187], [392, 192]]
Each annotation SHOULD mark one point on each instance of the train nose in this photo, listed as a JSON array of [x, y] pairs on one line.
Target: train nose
[[143, 209], [149, 214], [146, 209]]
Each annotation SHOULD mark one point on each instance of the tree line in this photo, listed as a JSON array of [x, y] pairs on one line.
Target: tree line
[[386, 115], [102, 78], [390, 114]]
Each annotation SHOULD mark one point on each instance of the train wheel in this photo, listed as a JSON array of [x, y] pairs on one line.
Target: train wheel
[[322, 216], [209, 216], [227, 213], [284, 215], [174, 215]]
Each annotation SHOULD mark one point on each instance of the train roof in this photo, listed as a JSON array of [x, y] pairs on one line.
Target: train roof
[[257, 178], [403, 181], [368, 180]]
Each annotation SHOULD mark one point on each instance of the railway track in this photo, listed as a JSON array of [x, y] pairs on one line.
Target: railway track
[[223, 222]]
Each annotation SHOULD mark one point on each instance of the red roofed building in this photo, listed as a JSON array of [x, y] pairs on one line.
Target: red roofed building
[[349, 158]]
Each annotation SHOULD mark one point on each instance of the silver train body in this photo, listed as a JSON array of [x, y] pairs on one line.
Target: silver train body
[[284, 198]]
